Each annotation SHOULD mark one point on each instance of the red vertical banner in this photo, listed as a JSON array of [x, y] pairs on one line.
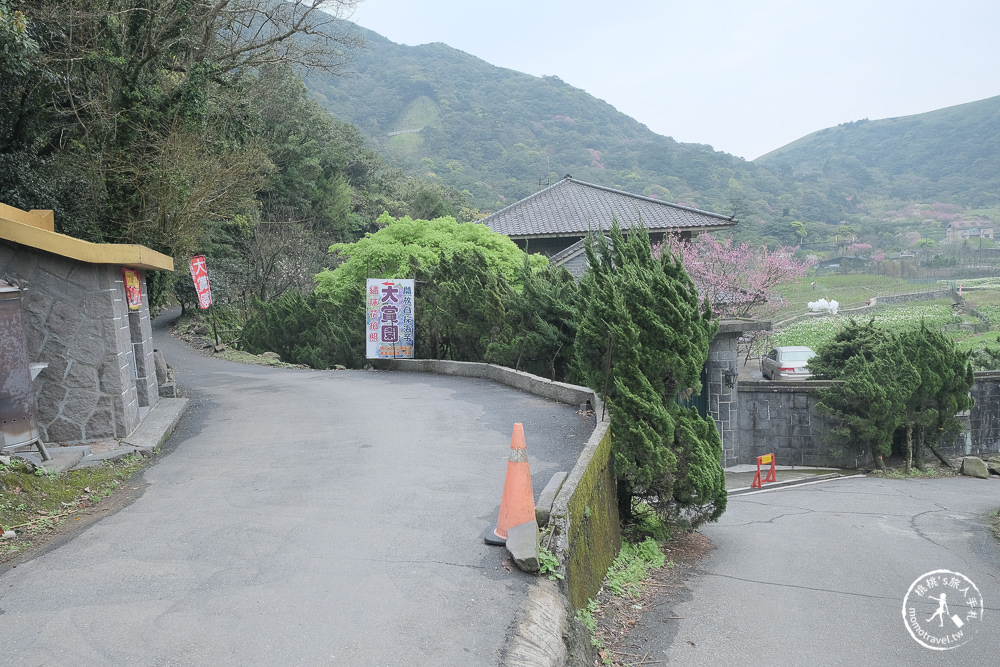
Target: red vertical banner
[[133, 288], [199, 274]]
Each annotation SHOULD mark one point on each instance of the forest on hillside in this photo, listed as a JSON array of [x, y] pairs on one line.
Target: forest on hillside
[[165, 123], [178, 130], [497, 135]]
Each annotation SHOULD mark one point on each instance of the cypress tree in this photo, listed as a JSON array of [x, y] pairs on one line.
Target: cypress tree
[[641, 339], [912, 382]]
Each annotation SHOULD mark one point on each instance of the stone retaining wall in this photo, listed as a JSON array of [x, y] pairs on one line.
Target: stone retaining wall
[[982, 424], [781, 417], [893, 299], [585, 514]]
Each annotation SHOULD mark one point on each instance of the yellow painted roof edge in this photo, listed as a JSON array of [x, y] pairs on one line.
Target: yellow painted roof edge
[[136, 256]]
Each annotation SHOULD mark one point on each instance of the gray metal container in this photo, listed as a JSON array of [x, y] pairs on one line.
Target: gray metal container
[[18, 424]]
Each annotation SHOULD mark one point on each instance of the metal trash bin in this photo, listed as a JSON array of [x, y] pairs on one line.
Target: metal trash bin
[[18, 423]]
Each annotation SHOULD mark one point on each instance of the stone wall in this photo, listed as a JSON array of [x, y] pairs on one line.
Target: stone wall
[[893, 299], [101, 378], [981, 436], [586, 516], [781, 417]]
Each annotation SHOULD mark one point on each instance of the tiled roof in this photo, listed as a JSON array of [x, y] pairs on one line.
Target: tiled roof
[[573, 208]]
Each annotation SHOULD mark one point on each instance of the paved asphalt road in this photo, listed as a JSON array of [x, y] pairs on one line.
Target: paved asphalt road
[[817, 574], [300, 518]]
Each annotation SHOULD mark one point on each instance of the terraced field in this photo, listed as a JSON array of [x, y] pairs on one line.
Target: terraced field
[[794, 325]]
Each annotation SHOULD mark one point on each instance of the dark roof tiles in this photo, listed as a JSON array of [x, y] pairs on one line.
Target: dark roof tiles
[[573, 208]]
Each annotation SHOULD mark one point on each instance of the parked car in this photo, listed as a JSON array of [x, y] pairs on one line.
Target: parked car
[[787, 363]]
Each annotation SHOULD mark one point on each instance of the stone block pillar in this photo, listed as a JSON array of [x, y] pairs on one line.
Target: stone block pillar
[[721, 371]]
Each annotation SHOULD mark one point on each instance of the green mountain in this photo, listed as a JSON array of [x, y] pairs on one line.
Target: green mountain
[[951, 155], [497, 135]]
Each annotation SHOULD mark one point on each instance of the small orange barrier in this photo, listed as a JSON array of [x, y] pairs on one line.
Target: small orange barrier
[[763, 461]]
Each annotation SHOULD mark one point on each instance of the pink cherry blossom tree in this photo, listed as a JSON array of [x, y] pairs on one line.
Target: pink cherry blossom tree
[[738, 280]]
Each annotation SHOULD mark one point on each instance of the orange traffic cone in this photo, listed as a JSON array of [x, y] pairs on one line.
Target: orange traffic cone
[[517, 505]]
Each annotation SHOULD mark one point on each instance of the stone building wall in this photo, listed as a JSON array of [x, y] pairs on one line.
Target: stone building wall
[[101, 378]]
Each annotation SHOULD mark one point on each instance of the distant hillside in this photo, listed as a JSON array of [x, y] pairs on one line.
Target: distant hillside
[[951, 155], [498, 134]]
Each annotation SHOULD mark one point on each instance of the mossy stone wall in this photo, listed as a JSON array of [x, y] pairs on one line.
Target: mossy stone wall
[[593, 532]]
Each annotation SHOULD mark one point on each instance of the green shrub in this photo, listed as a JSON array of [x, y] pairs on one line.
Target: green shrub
[[313, 330]]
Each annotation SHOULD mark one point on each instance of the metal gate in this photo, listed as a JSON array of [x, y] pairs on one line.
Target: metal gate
[[698, 401]]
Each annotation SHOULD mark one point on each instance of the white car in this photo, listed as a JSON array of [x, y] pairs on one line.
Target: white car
[[788, 362]]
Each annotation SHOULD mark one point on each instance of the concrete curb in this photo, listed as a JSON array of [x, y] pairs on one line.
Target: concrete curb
[[777, 486], [150, 434], [570, 394], [96, 460], [158, 425], [538, 641]]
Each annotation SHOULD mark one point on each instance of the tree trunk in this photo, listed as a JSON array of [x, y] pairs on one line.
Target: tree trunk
[[909, 448], [520, 351], [552, 363], [919, 452], [940, 457], [624, 505]]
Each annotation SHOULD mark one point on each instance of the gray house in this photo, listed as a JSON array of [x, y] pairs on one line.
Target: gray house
[[554, 221], [87, 350]]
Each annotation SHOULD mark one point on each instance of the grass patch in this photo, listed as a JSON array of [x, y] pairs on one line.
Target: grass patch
[[851, 291], [624, 579], [35, 504], [195, 330], [421, 113], [648, 583], [977, 342], [244, 357], [632, 566], [995, 524], [991, 313], [932, 470]]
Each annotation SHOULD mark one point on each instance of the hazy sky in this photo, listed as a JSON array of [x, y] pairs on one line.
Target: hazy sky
[[745, 76]]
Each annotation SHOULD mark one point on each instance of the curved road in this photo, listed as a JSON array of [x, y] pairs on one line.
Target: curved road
[[817, 574], [300, 518]]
